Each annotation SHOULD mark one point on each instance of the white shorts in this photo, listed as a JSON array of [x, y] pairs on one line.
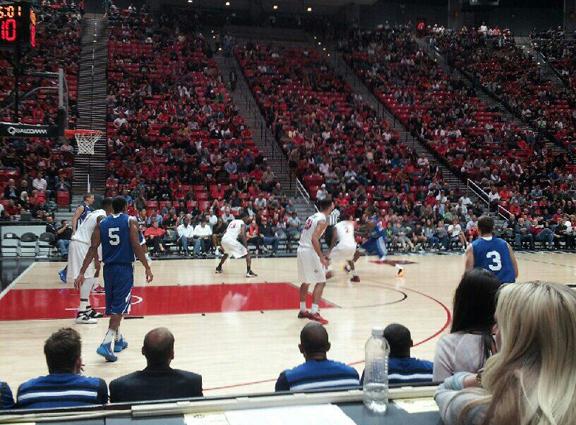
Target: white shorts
[[310, 269], [342, 253], [234, 248], [76, 253]]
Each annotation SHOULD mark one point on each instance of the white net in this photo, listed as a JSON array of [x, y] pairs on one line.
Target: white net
[[86, 141]]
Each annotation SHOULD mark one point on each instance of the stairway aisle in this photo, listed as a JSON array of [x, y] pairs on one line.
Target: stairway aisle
[[263, 137], [92, 103]]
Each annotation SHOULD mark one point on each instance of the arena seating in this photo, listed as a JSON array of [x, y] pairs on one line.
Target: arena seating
[[465, 132], [514, 76], [58, 46], [331, 136], [558, 50], [175, 140]]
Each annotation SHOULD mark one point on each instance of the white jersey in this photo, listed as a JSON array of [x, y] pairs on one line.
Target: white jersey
[[309, 229], [345, 233], [84, 231], [233, 229]]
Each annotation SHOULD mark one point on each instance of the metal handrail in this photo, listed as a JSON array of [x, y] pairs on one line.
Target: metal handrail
[[483, 196], [302, 191]]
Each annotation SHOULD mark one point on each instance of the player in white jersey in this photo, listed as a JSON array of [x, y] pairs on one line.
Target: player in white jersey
[[312, 262], [343, 247], [79, 245], [231, 246]]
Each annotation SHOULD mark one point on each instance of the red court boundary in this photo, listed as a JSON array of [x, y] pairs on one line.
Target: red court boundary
[[425, 340]]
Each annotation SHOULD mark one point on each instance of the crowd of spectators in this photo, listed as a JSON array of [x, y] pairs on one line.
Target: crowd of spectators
[[30, 159], [177, 147], [515, 166], [558, 49], [337, 145], [505, 347], [515, 77]]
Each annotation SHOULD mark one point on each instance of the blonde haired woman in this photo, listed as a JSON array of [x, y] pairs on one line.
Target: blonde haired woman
[[532, 379]]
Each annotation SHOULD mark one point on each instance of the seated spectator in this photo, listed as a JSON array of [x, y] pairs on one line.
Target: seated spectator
[[403, 369], [63, 236], [268, 234], [522, 233], [531, 378], [293, 227], [469, 343], [64, 386], [6, 399], [202, 238], [185, 234], [158, 381], [253, 235], [154, 235], [317, 372]]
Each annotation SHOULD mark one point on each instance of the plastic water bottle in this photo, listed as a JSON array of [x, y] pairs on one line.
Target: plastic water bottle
[[376, 372]]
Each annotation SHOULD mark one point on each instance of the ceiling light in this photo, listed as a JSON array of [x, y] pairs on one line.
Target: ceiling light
[[227, 3], [309, 9], [275, 7]]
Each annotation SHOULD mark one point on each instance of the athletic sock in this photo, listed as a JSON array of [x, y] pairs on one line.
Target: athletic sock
[[117, 337], [302, 306], [354, 272], [85, 290], [109, 337], [83, 305], [314, 309]]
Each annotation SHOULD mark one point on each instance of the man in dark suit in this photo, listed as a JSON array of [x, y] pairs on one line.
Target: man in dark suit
[[158, 381]]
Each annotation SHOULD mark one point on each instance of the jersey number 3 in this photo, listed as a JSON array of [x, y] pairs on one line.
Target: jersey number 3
[[496, 259], [113, 236]]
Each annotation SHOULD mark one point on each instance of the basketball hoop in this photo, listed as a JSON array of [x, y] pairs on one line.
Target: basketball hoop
[[86, 139]]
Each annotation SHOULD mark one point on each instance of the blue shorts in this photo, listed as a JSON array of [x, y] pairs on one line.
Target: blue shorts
[[375, 246], [118, 283]]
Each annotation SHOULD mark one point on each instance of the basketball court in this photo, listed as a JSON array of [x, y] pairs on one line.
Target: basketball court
[[241, 333]]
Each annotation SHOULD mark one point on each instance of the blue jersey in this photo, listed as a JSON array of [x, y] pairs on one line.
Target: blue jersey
[[115, 239], [87, 210], [493, 255]]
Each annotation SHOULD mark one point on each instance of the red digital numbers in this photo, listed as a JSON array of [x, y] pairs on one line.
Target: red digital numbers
[[8, 31]]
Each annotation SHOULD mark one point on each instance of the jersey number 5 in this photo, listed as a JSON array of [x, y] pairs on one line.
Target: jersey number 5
[[113, 236], [496, 261]]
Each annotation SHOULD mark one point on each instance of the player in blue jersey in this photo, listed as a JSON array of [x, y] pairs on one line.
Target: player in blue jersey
[[491, 253], [376, 242], [119, 235]]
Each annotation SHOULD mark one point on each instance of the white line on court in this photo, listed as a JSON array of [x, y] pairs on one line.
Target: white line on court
[[15, 281]]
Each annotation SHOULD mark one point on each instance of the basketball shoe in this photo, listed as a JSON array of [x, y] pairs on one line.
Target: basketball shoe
[[83, 318], [399, 270], [105, 350], [250, 273], [355, 279], [304, 314], [120, 345], [317, 318]]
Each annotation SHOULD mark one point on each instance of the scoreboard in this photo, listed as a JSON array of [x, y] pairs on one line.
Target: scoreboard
[[17, 24]]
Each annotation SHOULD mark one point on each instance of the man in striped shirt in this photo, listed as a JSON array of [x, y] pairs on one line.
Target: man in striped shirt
[[403, 369], [64, 386], [317, 372]]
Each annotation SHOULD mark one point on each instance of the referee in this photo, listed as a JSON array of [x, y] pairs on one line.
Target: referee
[[332, 220]]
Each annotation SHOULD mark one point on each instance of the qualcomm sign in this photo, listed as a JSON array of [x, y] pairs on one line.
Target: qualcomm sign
[[26, 130]]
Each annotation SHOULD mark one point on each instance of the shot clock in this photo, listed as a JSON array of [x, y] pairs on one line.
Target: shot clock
[[17, 25]]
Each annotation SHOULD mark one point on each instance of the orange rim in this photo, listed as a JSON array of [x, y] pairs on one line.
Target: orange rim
[[71, 133]]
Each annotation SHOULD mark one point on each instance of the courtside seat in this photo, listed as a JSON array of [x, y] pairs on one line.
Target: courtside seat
[[28, 244], [10, 245]]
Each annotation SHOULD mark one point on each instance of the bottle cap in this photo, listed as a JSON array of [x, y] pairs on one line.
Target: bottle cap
[[378, 332]]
